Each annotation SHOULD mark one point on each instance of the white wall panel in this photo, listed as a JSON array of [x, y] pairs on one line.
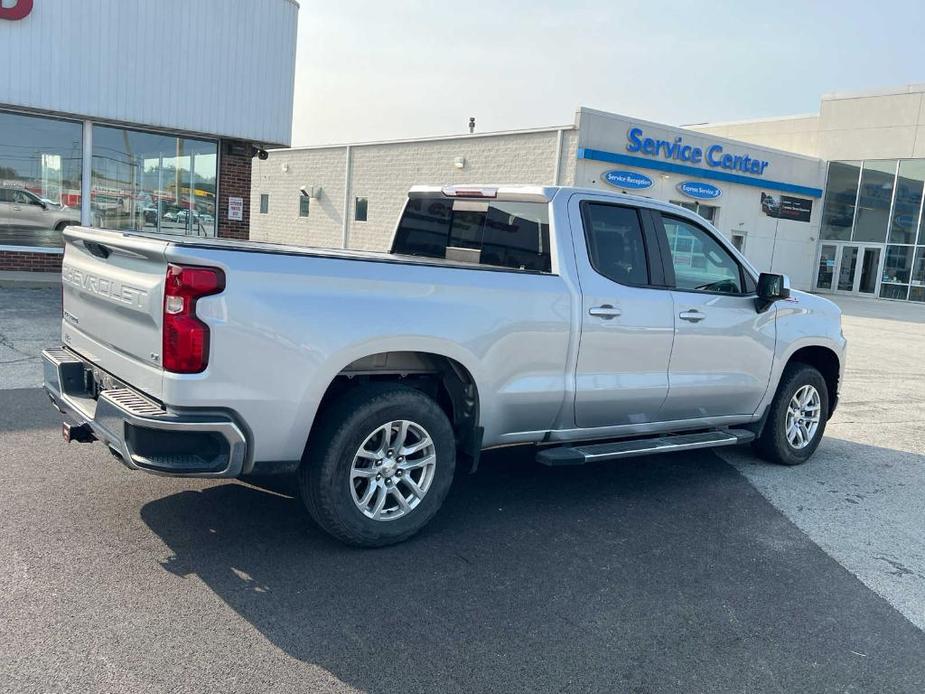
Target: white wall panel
[[218, 67]]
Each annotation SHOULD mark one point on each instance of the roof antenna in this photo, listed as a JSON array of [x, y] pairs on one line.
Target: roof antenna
[[471, 125]]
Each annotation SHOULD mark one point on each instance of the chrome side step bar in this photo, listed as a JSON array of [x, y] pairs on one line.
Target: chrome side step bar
[[588, 453]]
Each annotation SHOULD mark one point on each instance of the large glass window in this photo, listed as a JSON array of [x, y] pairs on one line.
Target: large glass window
[[153, 182], [898, 264], [841, 191], [908, 201], [876, 195], [700, 262], [40, 168], [917, 293]]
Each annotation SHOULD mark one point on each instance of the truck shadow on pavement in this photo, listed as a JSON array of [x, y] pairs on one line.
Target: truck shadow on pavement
[[656, 574]]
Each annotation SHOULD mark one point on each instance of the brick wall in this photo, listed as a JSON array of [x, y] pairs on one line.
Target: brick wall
[[30, 262], [234, 180], [382, 173], [280, 177]]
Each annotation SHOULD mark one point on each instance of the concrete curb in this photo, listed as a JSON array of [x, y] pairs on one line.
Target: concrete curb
[[30, 280]]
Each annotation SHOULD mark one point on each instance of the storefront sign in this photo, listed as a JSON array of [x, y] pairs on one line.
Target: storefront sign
[[18, 11], [627, 179], [713, 156], [701, 191], [786, 207], [235, 209]]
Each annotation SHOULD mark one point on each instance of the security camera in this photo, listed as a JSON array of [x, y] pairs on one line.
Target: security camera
[[263, 154], [305, 192]]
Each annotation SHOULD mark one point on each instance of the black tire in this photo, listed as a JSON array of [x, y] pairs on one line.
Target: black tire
[[324, 476], [773, 444], [62, 226]]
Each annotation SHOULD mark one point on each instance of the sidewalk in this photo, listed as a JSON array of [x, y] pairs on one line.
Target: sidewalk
[[30, 321], [12, 278]]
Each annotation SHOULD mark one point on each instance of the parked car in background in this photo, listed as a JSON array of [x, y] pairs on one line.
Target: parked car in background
[[187, 217], [589, 324], [24, 211]]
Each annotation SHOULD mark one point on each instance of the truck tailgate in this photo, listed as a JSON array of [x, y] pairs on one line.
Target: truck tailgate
[[113, 286]]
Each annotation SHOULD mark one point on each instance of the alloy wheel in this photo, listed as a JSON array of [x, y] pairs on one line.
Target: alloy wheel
[[392, 470]]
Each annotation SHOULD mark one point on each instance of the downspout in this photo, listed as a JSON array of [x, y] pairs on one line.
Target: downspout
[[345, 232]]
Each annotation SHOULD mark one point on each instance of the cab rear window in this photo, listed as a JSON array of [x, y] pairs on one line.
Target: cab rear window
[[494, 233]]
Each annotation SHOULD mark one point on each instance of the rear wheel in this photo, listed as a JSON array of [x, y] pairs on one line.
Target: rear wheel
[[797, 418], [378, 465]]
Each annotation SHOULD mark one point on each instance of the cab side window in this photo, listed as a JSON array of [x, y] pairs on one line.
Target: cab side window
[[700, 261], [21, 198], [615, 243]]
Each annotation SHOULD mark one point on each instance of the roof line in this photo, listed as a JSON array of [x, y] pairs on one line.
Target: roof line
[[432, 138], [746, 121]]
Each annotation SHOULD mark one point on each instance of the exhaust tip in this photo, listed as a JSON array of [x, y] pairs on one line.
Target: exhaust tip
[[81, 433]]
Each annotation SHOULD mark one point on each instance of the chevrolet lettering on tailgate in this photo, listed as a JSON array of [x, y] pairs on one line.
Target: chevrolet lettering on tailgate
[[110, 290]]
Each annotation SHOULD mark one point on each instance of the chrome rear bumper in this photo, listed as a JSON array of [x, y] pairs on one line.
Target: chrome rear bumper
[[140, 431]]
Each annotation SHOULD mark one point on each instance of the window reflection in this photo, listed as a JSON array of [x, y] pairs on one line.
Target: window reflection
[[153, 182], [841, 190], [909, 185], [40, 168], [898, 264], [918, 268], [874, 199]]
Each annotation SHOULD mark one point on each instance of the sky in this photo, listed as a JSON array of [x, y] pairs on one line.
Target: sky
[[403, 69]]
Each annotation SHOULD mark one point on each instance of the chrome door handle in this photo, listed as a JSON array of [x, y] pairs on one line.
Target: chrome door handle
[[694, 316], [606, 311]]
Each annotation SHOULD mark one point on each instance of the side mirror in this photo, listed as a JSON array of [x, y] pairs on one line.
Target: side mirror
[[771, 288]]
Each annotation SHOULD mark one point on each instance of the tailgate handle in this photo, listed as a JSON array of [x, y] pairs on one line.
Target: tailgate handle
[[97, 249]]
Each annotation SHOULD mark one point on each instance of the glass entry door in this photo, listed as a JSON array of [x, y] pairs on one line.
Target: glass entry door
[[849, 268], [825, 273], [869, 271]]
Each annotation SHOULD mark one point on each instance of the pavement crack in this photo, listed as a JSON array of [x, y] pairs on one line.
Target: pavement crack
[[898, 568], [8, 343]]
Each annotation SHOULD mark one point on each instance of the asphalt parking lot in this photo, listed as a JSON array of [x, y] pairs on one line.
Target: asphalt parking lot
[[687, 573]]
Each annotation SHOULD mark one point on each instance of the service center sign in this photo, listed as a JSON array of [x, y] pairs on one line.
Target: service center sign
[[20, 10], [627, 180], [677, 150], [701, 191]]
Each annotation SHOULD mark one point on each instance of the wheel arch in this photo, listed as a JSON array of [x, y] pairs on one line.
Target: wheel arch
[[825, 361], [447, 380]]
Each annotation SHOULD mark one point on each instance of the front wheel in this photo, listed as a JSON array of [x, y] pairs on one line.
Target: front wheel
[[797, 418], [378, 465]]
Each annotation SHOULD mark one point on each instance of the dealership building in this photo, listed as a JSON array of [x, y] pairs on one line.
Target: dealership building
[[833, 199], [136, 115]]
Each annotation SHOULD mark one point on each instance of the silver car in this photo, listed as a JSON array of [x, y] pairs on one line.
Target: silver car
[[22, 213], [586, 324]]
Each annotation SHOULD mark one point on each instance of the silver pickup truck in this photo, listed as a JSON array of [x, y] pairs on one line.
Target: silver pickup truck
[[587, 324]]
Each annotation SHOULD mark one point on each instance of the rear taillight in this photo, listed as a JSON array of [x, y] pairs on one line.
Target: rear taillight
[[186, 338]]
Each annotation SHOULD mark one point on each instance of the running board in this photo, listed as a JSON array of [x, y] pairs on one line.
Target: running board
[[587, 453]]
